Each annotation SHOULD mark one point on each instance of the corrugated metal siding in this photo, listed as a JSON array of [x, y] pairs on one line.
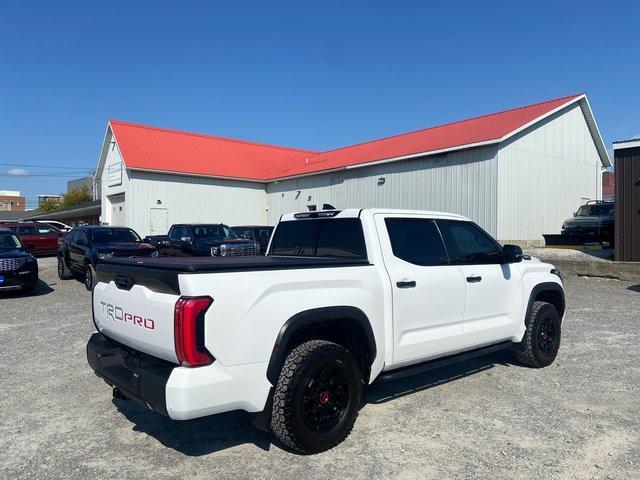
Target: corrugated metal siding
[[113, 156], [463, 182], [544, 174], [194, 199]]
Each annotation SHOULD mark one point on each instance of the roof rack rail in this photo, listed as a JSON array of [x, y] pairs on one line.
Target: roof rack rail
[[596, 202], [317, 214]]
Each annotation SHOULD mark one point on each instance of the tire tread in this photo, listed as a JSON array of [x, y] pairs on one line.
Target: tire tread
[[282, 413], [524, 351]]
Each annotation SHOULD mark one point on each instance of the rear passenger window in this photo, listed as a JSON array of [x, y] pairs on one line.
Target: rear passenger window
[[30, 230], [44, 230], [338, 238], [468, 244], [417, 241], [80, 235]]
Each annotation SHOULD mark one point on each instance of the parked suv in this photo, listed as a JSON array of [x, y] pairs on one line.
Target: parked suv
[[342, 299], [18, 269], [593, 221], [259, 234], [202, 240], [37, 238], [85, 247], [63, 227]]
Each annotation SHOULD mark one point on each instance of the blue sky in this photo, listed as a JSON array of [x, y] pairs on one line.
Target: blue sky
[[300, 73]]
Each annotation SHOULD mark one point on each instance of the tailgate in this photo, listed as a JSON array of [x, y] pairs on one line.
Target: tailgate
[[139, 317]]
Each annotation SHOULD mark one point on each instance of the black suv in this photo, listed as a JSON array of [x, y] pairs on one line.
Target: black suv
[[84, 247], [202, 240], [18, 269], [594, 221]]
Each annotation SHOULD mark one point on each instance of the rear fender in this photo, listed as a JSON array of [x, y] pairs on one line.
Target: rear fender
[[317, 318]]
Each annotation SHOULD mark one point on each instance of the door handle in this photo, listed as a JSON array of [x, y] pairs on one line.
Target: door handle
[[406, 284], [474, 279]]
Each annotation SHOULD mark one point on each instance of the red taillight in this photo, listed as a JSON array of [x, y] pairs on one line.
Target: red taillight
[[188, 331]]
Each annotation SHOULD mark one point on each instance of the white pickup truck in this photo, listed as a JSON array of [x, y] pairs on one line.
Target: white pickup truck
[[341, 299]]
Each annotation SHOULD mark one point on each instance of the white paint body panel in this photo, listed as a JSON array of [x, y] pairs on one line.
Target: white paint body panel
[[493, 306], [127, 315], [250, 308], [428, 317]]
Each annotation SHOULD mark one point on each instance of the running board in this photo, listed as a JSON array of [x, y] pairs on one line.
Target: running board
[[440, 362]]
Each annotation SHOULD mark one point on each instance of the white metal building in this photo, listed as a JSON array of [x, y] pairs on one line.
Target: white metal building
[[518, 173]]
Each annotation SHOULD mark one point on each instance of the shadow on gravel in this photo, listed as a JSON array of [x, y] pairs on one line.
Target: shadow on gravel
[[197, 437], [42, 288], [207, 435], [382, 392], [634, 288]]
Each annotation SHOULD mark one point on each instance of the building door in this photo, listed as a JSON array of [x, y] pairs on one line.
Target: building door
[[118, 211], [158, 221]]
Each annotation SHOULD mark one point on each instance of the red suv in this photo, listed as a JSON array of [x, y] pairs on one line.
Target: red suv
[[37, 237]]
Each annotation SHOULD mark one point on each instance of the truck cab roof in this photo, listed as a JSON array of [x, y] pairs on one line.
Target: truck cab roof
[[357, 212]]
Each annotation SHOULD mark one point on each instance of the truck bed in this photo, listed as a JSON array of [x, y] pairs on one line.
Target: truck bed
[[161, 273]]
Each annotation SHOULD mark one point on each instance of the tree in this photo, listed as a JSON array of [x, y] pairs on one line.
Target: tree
[[74, 197], [49, 205]]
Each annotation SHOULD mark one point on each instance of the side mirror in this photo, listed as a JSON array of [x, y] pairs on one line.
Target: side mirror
[[512, 254], [187, 239], [81, 243]]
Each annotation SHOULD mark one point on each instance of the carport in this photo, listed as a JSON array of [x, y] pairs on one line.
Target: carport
[[86, 213]]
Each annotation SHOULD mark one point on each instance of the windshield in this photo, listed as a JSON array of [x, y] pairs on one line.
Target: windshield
[[113, 235], [8, 241], [597, 210], [213, 231]]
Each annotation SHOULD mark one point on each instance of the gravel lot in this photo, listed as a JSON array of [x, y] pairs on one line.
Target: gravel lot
[[488, 418]]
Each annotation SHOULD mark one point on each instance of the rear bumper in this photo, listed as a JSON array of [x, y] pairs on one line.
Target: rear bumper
[[138, 376], [180, 393]]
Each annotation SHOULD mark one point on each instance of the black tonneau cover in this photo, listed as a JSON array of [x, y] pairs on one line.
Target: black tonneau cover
[[223, 264], [161, 273]]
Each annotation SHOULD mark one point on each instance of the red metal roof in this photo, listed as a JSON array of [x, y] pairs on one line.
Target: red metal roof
[[159, 149]]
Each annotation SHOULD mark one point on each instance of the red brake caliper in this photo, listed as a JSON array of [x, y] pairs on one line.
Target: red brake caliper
[[324, 397]]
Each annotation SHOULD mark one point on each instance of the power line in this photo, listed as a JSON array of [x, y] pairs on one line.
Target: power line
[[26, 175], [59, 167]]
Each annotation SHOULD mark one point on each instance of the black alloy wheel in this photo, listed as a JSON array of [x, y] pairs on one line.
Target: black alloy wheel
[[325, 398], [547, 336]]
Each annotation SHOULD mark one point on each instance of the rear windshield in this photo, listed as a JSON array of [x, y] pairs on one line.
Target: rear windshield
[[213, 232], [112, 235], [333, 238]]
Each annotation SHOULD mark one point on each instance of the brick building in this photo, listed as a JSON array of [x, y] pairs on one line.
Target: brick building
[[11, 201]]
